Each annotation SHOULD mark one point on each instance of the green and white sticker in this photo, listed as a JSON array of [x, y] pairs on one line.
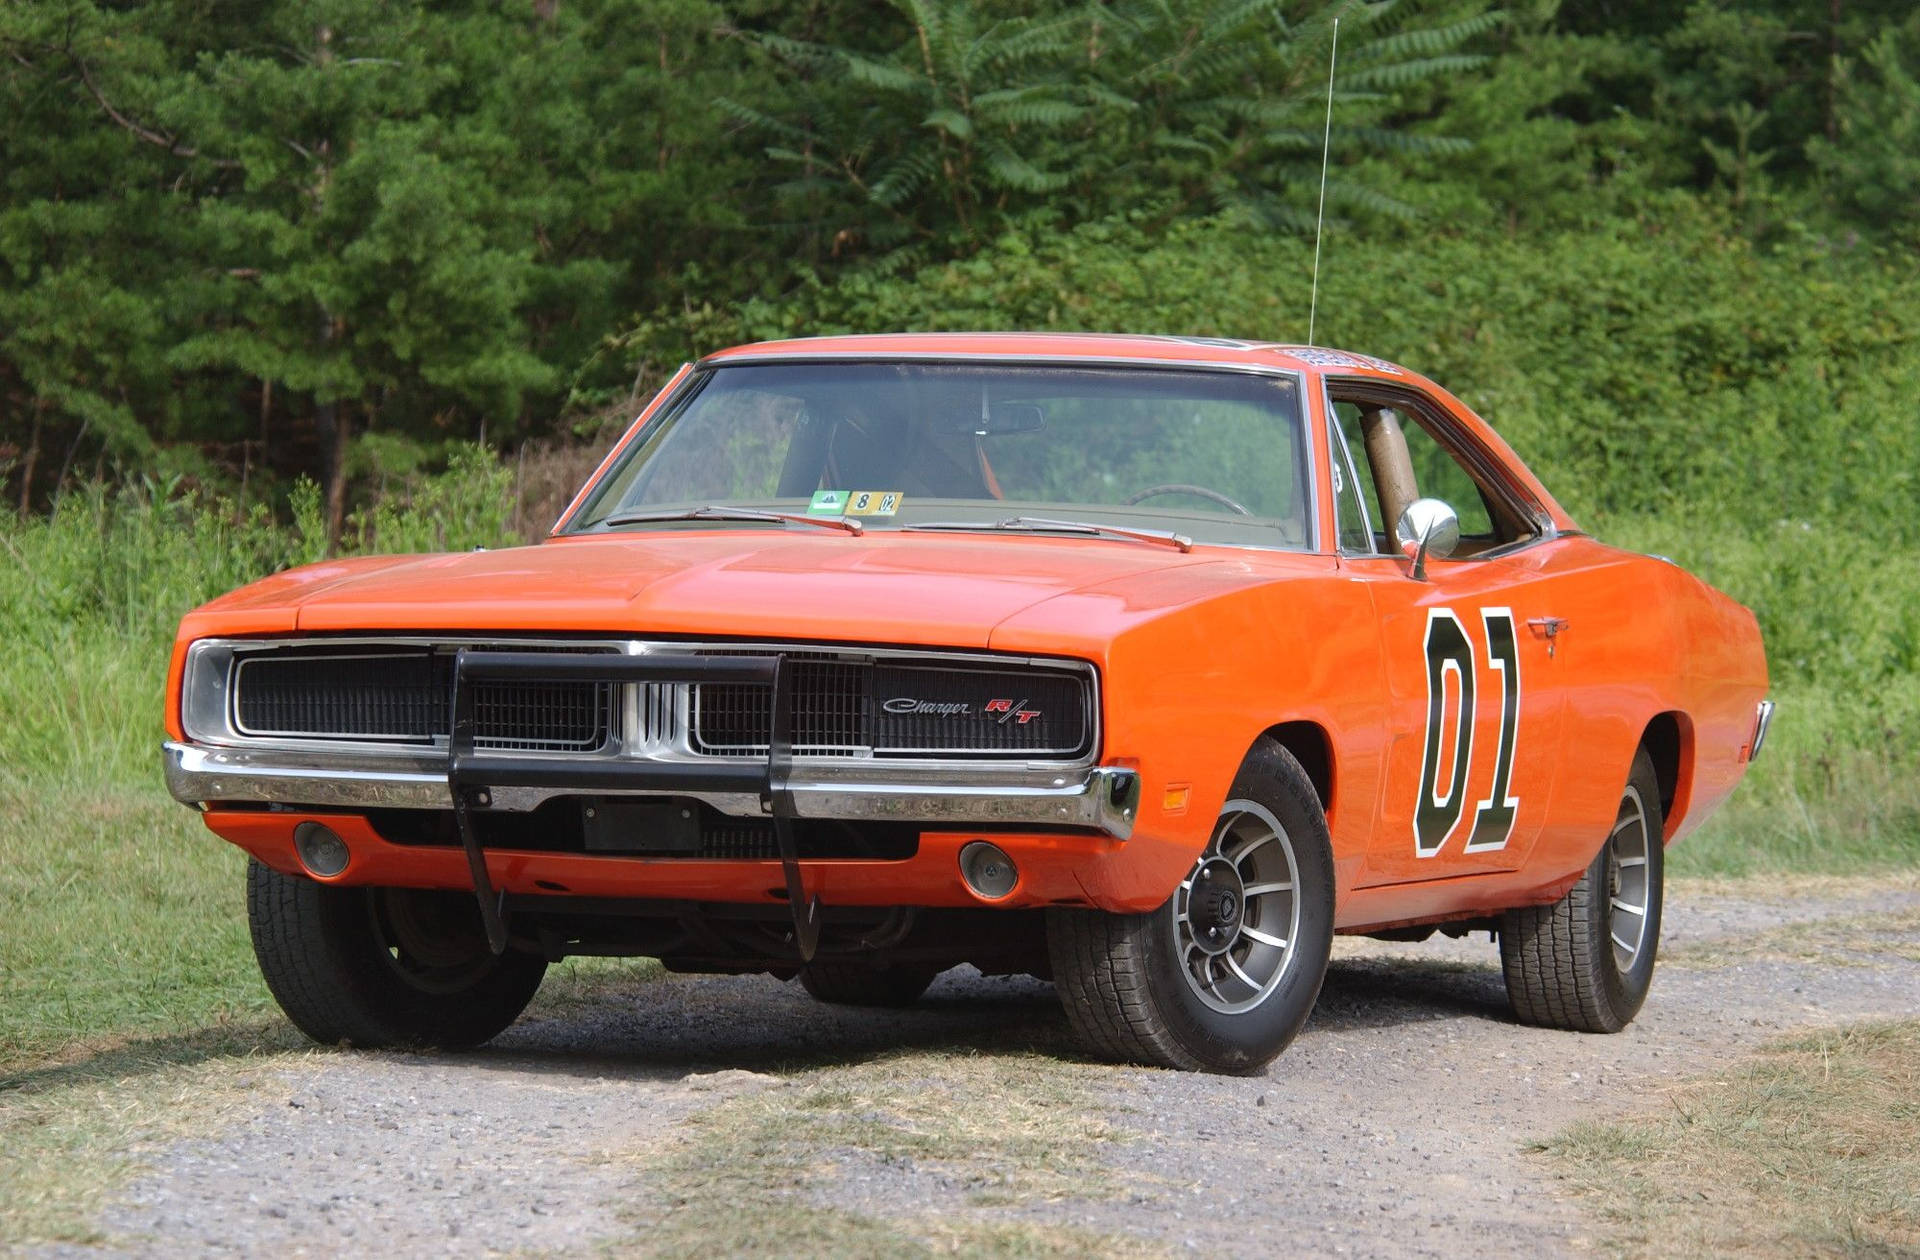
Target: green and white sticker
[[828, 503]]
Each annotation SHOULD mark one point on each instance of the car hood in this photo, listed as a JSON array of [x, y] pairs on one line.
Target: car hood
[[883, 587]]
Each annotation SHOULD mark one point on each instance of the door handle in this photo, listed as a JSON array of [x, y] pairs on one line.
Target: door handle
[[1547, 628]]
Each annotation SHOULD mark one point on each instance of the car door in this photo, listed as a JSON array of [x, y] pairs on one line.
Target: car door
[[1475, 702]]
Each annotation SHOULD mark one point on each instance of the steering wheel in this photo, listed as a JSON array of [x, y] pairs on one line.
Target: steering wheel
[[1182, 487]]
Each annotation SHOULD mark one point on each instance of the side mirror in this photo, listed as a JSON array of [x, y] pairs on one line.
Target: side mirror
[[1427, 527]]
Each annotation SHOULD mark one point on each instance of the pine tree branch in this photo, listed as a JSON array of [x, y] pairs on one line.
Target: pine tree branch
[[155, 138]]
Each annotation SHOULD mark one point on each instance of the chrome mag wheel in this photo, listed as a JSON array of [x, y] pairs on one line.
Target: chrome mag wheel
[[1236, 916], [1627, 879]]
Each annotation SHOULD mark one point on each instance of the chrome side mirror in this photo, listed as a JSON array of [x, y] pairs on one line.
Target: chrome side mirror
[[1427, 527]]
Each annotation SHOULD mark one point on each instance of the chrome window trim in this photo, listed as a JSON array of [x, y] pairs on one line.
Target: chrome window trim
[[1522, 503], [206, 691], [1312, 546], [1337, 434]]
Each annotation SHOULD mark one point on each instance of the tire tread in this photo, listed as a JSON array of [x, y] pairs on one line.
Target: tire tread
[[1101, 962], [315, 948], [1558, 959]]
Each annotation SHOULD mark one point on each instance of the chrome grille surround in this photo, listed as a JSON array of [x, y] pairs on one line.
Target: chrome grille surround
[[655, 721]]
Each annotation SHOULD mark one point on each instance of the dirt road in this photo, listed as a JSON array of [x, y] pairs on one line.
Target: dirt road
[[737, 1114]]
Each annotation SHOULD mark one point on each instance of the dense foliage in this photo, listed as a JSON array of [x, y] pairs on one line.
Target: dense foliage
[[334, 236]]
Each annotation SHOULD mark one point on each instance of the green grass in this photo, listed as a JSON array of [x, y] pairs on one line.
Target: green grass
[[1835, 791], [1805, 1150]]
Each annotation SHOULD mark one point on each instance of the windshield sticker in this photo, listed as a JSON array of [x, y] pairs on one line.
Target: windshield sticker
[[828, 503], [872, 502]]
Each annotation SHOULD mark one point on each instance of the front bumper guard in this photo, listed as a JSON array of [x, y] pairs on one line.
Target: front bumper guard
[[1103, 798]]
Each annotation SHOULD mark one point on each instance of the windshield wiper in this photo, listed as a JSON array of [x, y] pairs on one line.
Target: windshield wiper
[[1041, 525], [721, 512]]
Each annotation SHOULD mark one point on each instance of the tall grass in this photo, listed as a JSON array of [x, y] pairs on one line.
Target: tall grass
[[119, 912]]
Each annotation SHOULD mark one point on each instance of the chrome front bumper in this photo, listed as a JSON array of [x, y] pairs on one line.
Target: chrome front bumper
[[1104, 798]]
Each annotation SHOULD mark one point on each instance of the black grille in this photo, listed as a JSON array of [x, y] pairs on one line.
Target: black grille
[[405, 696], [1026, 712], [831, 711], [848, 707]]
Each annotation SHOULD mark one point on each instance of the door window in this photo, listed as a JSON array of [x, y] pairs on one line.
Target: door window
[[1429, 465]]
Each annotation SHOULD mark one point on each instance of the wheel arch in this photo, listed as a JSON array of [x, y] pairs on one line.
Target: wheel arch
[[1668, 741], [1312, 747]]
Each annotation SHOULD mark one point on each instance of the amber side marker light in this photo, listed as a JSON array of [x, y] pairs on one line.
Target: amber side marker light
[[988, 870], [321, 851]]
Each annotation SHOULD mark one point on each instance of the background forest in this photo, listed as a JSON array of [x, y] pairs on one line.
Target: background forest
[[284, 278]]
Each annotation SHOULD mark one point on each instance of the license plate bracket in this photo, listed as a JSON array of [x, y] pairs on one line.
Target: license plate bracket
[[611, 825]]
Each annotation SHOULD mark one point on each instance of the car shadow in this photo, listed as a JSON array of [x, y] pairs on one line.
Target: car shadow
[[667, 1029], [674, 1028], [130, 1059]]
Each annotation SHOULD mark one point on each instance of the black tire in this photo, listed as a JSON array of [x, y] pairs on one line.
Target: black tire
[[1562, 966], [1125, 979], [377, 967], [858, 983]]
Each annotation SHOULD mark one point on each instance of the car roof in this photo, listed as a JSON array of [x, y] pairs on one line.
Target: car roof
[[1107, 347]]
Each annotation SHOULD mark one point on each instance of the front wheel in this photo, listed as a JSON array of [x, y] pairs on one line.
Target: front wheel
[[380, 967], [1221, 977], [1585, 962]]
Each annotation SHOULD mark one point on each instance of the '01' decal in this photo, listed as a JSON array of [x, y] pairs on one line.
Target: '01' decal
[[1449, 648]]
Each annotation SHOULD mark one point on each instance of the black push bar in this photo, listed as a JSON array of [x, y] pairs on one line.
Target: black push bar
[[471, 776]]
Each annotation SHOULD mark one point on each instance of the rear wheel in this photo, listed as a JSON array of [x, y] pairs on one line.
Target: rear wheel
[[1585, 963], [858, 983], [383, 966], [1221, 977]]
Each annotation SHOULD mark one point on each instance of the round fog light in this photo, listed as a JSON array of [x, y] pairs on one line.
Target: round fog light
[[988, 870], [321, 851]]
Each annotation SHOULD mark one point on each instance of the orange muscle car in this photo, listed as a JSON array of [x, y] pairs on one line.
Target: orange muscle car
[[1143, 664]]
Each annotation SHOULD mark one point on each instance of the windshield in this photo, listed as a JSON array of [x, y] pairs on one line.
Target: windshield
[[1213, 455]]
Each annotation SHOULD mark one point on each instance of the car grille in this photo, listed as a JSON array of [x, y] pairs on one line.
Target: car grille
[[404, 697], [839, 706], [858, 708]]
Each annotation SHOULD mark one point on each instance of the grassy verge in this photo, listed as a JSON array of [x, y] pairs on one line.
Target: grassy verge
[[1805, 1150], [746, 1177]]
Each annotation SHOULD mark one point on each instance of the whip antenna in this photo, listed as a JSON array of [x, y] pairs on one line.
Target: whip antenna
[[1320, 221]]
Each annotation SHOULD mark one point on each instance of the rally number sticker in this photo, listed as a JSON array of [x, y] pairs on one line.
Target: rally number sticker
[[873, 502], [1449, 650]]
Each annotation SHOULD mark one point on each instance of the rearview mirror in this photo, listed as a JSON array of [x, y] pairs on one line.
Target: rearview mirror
[[1427, 527], [1010, 417]]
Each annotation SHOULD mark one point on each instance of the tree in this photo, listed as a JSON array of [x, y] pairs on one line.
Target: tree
[[1872, 163], [337, 215], [970, 122]]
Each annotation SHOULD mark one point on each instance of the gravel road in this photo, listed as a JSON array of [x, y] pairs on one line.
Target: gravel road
[[1395, 1126]]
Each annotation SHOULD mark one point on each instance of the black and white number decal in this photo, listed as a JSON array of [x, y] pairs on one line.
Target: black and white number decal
[[1449, 649]]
